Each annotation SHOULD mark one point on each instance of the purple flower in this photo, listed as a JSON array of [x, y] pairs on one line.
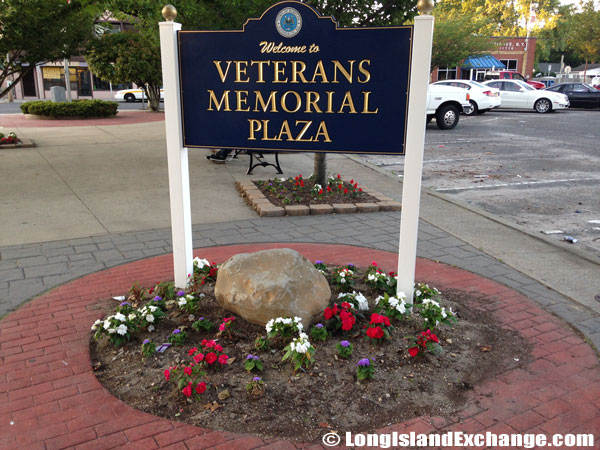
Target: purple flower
[[256, 379], [125, 304], [177, 331], [255, 358], [180, 294], [250, 357], [318, 261], [319, 325], [158, 298], [201, 318], [146, 341], [364, 362], [345, 344]]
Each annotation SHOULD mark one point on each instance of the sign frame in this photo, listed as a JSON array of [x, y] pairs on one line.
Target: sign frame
[[177, 153]]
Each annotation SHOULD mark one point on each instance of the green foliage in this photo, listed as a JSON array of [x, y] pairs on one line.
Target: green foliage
[[584, 36], [455, 38], [76, 108], [36, 31], [129, 57]]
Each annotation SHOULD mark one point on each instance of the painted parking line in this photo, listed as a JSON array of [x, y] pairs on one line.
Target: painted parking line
[[516, 184]]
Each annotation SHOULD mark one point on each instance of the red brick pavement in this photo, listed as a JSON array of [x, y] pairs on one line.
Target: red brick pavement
[[50, 399], [122, 118]]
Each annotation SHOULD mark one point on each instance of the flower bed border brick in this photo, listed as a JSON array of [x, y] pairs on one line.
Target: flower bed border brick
[[265, 208]]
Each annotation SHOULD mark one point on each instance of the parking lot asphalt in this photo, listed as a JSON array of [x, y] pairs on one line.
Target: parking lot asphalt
[[538, 171], [95, 196]]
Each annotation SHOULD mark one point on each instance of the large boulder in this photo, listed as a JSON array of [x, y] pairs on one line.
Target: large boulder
[[272, 283]]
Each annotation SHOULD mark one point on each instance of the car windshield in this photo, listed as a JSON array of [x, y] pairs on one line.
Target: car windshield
[[477, 83], [524, 85], [590, 88]]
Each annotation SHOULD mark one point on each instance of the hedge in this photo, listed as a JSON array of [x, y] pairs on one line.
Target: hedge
[[76, 108]]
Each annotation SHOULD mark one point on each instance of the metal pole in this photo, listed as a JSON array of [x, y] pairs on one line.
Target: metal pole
[[415, 143], [67, 80], [177, 156]]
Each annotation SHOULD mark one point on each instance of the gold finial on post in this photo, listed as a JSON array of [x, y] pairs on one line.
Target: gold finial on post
[[425, 7], [169, 13]]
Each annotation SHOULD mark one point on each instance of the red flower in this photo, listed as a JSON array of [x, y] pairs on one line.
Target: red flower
[[210, 358], [297, 184], [328, 314], [328, 188], [187, 391], [355, 185], [167, 374], [376, 318], [413, 351], [339, 176], [296, 178], [375, 333], [352, 181], [201, 388], [346, 305], [340, 187], [302, 183], [204, 342], [187, 370], [218, 348], [320, 191], [345, 190], [191, 351], [210, 344], [199, 357], [223, 359], [359, 189], [374, 264]]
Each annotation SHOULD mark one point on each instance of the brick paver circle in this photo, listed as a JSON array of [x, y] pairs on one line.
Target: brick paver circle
[[50, 399]]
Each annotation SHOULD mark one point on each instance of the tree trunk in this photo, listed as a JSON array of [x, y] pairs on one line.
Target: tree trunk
[[320, 169], [153, 95]]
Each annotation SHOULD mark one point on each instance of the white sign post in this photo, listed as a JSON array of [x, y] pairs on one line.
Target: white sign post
[[415, 143], [177, 154]]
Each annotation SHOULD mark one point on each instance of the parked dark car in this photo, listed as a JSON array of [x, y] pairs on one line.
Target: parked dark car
[[580, 95]]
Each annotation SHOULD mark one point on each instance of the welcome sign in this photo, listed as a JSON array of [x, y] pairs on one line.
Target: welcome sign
[[292, 80]]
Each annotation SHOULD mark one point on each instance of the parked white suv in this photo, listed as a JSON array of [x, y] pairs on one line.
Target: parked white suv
[[483, 98], [445, 103]]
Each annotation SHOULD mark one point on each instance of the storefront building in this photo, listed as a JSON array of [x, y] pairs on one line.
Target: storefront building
[[510, 53]]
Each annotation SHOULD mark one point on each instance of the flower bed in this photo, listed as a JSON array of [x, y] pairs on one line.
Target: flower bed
[[302, 196], [371, 359]]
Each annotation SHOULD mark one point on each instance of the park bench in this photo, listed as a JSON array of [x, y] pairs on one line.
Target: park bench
[[258, 159]]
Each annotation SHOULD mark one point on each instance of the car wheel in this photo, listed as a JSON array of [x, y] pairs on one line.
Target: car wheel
[[543, 105], [129, 98], [446, 117], [473, 110]]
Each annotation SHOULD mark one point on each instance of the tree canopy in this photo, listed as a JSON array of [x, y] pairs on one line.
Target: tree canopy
[[37, 31]]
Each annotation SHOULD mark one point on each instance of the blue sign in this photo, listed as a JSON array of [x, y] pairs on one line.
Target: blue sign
[[292, 80]]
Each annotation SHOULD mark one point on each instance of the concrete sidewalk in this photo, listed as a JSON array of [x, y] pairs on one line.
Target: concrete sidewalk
[[95, 196]]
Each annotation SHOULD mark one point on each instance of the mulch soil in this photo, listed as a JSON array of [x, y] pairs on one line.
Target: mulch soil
[[297, 191], [304, 405]]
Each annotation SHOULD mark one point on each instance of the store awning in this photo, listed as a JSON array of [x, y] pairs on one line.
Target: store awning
[[482, 62]]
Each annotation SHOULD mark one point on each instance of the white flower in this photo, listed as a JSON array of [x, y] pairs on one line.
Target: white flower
[[342, 274], [343, 280], [122, 329], [120, 317], [371, 277], [444, 315], [151, 328], [300, 344], [189, 297], [269, 325], [149, 318], [111, 331], [282, 179], [393, 301], [95, 325], [182, 302], [131, 316], [153, 308], [380, 297], [200, 263], [106, 324], [401, 296], [401, 307], [417, 293]]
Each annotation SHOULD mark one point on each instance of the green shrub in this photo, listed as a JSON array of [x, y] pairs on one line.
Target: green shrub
[[76, 108]]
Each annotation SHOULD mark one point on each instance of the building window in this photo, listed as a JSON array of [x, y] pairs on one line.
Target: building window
[[511, 64], [445, 73], [55, 76]]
